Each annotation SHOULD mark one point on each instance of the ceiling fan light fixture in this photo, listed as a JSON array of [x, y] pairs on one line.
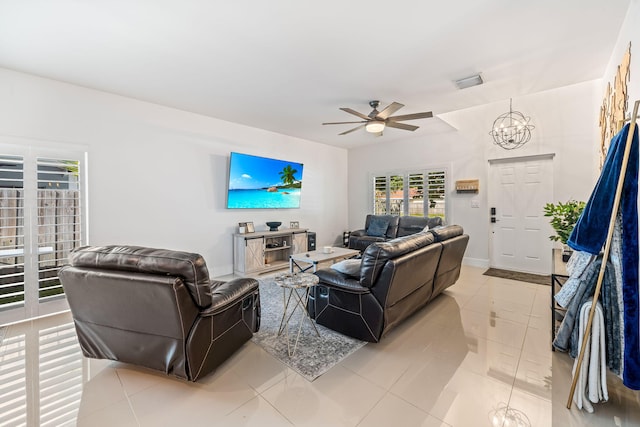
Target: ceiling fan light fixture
[[374, 126], [376, 121]]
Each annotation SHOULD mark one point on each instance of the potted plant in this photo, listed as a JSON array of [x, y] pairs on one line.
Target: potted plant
[[563, 218]]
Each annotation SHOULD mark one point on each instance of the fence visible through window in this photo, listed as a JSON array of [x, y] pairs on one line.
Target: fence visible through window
[[59, 221], [421, 193], [53, 226], [12, 233]]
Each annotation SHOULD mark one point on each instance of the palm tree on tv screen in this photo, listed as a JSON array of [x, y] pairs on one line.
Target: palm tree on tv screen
[[287, 175]]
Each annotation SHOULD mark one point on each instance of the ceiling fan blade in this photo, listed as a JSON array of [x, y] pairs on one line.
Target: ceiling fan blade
[[355, 113], [391, 108], [403, 126], [342, 123], [351, 130], [413, 116]]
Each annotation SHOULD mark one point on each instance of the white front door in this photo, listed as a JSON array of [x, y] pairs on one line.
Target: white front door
[[519, 237]]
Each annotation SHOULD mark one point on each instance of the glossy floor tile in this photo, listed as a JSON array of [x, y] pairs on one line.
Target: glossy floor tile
[[478, 355]]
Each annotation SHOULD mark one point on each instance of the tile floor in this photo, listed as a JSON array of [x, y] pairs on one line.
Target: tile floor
[[478, 355]]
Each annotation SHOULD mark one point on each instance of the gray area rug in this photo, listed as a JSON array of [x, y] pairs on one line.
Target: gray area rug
[[314, 355], [516, 275]]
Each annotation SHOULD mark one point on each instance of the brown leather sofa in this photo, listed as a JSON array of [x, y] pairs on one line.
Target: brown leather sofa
[[396, 226], [395, 279], [157, 308]]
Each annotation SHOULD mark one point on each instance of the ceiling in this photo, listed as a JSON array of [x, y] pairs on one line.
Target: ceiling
[[287, 66]]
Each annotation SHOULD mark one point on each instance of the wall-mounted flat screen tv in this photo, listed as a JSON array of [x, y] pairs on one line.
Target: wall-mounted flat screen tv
[[261, 183]]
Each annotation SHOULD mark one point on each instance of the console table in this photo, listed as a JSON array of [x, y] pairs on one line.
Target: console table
[[263, 251]]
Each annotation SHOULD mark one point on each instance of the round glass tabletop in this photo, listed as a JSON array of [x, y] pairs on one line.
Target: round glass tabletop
[[296, 280]]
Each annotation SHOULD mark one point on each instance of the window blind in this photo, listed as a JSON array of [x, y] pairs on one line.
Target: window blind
[[11, 231], [416, 193], [59, 220]]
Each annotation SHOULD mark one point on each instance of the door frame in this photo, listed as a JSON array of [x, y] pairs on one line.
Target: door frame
[[492, 191]]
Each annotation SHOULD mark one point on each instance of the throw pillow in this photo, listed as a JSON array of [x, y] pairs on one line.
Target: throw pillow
[[350, 267], [378, 227]]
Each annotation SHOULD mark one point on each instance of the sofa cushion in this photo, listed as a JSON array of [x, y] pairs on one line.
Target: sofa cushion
[[190, 267], [361, 243], [411, 225], [434, 221], [378, 227], [350, 267], [377, 254], [392, 229]]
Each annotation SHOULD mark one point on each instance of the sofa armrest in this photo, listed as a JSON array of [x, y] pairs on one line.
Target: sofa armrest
[[358, 233], [225, 294], [361, 243], [334, 279]]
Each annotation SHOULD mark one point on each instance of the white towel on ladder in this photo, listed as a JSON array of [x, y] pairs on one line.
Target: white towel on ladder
[[592, 379]]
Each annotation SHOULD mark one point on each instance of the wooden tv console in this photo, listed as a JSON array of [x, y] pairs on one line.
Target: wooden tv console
[[264, 251]]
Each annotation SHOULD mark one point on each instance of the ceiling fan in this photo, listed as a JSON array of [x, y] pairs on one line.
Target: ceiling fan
[[376, 121]]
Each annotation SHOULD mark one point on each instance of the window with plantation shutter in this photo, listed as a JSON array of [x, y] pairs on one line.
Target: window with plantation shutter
[[415, 193], [41, 221], [436, 190], [380, 195], [59, 220], [12, 231], [396, 195]]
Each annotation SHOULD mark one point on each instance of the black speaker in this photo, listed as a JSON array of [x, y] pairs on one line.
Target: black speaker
[[311, 240]]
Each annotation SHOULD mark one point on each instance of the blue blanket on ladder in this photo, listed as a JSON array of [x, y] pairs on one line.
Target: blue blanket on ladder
[[590, 233]]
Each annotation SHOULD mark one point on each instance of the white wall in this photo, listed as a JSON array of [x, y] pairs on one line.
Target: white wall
[[158, 176], [566, 123], [629, 32]]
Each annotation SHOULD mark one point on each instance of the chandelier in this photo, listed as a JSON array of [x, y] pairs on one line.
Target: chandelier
[[511, 130]]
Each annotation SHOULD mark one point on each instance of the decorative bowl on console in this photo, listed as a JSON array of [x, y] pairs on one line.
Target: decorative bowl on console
[[273, 225]]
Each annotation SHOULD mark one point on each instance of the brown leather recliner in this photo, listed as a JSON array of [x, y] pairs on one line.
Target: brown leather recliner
[[158, 309]]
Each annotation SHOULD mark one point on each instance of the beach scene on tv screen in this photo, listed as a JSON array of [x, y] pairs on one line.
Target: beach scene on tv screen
[[260, 182]]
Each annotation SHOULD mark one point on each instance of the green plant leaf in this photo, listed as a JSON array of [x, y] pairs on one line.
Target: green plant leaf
[[564, 217]]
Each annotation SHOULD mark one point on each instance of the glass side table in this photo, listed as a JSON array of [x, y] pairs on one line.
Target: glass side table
[[296, 286]]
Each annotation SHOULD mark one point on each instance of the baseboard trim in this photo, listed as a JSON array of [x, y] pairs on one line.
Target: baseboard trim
[[475, 262]]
